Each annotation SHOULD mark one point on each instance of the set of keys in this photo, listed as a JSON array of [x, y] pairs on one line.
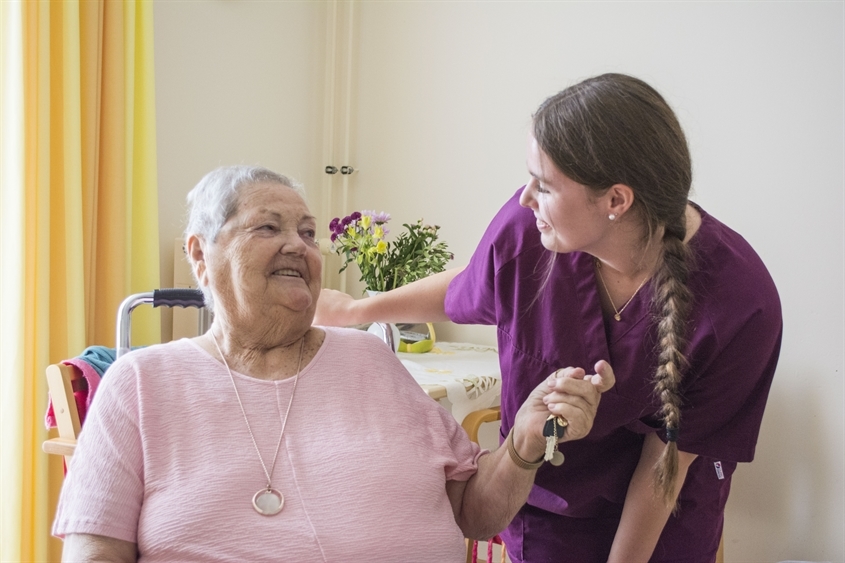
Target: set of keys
[[553, 430]]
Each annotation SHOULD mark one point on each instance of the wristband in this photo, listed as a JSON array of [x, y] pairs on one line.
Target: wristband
[[518, 461]]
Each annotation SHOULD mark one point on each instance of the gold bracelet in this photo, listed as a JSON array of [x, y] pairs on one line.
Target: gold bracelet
[[518, 461]]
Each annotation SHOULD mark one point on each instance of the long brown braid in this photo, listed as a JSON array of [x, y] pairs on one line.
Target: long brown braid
[[616, 129]]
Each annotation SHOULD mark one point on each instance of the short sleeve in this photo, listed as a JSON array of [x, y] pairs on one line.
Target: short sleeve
[[445, 440], [471, 297], [464, 452], [104, 488], [724, 405]]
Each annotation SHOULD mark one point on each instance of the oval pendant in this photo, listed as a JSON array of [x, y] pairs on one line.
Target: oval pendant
[[557, 459], [268, 502]]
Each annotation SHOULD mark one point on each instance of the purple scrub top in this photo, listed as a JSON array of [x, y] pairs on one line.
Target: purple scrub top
[[546, 322]]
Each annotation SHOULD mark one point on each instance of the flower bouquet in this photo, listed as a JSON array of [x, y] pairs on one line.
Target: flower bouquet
[[413, 255]]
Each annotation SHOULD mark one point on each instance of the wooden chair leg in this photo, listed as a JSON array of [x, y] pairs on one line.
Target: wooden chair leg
[[720, 555], [472, 422]]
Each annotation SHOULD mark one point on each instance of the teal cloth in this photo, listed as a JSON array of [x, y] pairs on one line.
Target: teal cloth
[[99, 357]]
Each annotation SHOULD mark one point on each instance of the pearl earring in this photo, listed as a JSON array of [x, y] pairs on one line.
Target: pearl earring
[[611, 217]]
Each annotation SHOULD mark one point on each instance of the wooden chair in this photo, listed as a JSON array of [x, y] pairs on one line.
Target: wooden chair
[[471, 424], [62, 381]]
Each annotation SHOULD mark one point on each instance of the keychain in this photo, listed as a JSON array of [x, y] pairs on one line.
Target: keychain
[[553, 430]]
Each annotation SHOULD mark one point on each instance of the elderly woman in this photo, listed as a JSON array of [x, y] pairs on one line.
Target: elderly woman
[[270, 439]]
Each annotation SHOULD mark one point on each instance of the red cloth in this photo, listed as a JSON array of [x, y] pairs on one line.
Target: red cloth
[[83, 397]]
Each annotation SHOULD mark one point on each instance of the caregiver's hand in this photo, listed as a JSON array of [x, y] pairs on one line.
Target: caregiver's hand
[[335, 308], [569, 393], [574, 395]]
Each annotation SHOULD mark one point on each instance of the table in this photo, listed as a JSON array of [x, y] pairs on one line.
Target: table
[[466, 374]]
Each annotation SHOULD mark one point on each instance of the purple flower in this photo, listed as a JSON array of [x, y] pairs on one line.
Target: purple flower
[[355, 215], [334, 237], [378, 218], [346, 220], [334, 224]]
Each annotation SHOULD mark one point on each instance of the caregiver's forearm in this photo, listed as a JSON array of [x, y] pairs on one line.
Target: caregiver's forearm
[[419, 302]]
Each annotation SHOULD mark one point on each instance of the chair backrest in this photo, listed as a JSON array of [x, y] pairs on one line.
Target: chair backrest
[[61, 380]]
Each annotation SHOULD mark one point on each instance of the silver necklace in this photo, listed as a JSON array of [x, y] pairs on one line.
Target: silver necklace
[[267, 501], [618, 315]]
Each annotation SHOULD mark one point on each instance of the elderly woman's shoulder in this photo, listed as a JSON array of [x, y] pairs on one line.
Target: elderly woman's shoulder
[[358, 344], [177, 351], [357, 351]]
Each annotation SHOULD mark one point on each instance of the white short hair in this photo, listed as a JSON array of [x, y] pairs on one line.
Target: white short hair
[[214, 200]]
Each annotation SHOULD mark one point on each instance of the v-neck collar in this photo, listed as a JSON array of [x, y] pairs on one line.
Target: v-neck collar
[[603, 330]]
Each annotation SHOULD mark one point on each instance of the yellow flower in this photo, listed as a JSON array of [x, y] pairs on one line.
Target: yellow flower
[[381, 247], [379, 233], [350, 231], [365, 221]]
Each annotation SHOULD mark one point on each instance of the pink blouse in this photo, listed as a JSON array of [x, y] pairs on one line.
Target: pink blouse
[[166, 461]]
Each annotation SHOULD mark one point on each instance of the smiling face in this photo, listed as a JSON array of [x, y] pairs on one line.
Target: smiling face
[[569, 215], [264, 267]]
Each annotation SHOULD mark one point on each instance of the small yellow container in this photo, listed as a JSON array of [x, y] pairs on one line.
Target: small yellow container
[[416, 342]]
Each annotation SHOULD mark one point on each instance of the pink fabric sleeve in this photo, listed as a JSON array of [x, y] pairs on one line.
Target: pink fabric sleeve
[[109, 494]]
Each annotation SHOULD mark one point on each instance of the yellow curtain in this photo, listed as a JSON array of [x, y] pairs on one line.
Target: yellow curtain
[[79, 221]]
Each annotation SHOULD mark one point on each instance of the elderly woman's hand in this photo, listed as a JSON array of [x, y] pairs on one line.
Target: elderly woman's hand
[[569, 393]]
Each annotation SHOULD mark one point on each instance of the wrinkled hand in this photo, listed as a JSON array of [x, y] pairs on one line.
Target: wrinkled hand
[[334, 308], [569, 393]]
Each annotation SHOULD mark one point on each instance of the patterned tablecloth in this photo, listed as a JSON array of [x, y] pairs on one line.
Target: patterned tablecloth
[[469, 373]]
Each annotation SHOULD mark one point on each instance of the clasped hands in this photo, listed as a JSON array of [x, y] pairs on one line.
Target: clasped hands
[[569, 392]]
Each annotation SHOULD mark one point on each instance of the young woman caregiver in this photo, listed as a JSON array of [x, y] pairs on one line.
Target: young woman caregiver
[[601, 256]]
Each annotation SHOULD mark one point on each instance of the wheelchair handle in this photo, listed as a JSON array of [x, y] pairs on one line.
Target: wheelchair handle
[[178, 297]]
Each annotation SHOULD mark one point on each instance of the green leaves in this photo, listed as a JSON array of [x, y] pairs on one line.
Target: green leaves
[[415, 254]]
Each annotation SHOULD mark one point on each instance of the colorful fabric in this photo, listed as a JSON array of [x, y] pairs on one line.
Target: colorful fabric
[[166, 460], [82, 396], [92, 363], [549, 322], [99, 357]]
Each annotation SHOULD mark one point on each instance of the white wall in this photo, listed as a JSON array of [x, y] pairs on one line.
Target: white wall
[[444, 93], [236, 83]]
